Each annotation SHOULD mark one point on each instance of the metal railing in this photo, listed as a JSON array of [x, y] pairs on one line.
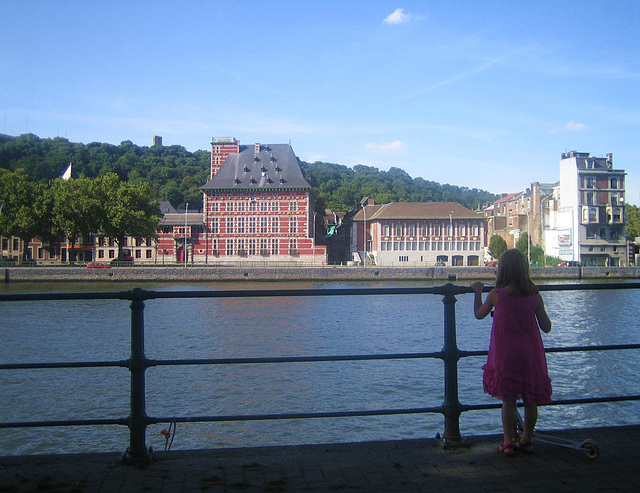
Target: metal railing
[[137, 363]]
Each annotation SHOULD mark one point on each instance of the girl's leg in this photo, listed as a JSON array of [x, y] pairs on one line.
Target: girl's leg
[[509, 421], [530, 418]]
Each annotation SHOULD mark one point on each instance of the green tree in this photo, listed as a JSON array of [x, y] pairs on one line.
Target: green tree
[[523, 243], [497, 246], [23, 213], [75, 209], [126, 210], [632, 221]]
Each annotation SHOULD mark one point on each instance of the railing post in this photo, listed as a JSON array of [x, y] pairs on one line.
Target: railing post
[[451, 405], [137, 451]]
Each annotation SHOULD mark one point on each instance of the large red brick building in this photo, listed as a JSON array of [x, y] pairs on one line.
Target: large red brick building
[[257, 206]]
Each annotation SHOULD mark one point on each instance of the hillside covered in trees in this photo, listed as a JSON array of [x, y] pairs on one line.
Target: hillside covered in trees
[[176, 175]]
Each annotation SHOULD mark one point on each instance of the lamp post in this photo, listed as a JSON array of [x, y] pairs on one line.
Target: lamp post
[[313, 240], [528, 236], [364, 235], [451, 243], [186, 213]]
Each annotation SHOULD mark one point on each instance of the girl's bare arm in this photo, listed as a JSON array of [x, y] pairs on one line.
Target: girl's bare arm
[[541, 314]]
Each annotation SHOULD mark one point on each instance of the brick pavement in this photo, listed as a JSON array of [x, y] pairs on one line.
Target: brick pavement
[[391, 466]]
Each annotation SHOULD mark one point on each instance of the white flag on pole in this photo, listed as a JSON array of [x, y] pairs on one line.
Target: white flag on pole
[[67, 174]]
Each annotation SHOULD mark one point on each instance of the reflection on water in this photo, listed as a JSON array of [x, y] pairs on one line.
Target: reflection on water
[[269, 326]]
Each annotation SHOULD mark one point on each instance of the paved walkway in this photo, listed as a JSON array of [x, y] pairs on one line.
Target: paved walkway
[[392, 466]]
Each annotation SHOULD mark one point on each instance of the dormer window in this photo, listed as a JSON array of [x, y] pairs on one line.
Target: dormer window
[[236, 180]]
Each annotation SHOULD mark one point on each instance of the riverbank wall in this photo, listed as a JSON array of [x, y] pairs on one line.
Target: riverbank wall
[[324, 273]]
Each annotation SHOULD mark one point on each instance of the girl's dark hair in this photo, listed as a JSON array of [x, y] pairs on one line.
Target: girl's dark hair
[[513, 270]]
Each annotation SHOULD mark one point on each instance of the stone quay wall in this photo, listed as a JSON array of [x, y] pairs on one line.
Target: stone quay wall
[[309, 273]]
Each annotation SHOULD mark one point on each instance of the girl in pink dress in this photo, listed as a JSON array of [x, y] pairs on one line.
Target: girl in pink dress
[[516, 366]]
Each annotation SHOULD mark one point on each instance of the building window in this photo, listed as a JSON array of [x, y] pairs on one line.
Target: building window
[[241, 222], [293, 206], [112, 254], [293, 225], [149, 253], [230, 226], [215, 206], [275, 224], [588, 182], [264, 246], [275, 250], [263, 206], [230, 206], [398, 229], [403, 258], [412, 229], [275, 206], [436, 230], [293, 246], [614, 183], [100, 253], [229, 247], [241, 250], [264, 225], [253, 207], [241, 206], [589, 198], [252, 246], [252, 225], [617, 217], [215, 225], [138, 253], [386, 230]]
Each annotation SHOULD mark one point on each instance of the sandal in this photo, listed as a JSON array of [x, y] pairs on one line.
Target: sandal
[[525, 447], [506, 449]]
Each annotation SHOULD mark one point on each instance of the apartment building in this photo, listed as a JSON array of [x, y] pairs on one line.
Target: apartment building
[[428, 233], [587, 219]]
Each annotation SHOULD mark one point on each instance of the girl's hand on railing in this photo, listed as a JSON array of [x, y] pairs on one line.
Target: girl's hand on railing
[[477, 287]]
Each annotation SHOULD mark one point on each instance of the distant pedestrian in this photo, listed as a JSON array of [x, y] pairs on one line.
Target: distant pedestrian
[[516, 367]]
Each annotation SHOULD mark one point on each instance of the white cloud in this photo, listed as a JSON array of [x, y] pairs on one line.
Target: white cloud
[[395, 146], [399, 16], [575, 127]]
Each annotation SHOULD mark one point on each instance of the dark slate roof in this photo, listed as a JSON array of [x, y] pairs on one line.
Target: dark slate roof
[[417, 210], [274, 167], [178, 219], [167, 208]]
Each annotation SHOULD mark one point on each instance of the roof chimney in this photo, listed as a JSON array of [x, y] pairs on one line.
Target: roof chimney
[[257, 147]]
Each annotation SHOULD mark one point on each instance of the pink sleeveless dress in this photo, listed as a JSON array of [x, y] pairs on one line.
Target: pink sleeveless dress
[[516, 366]]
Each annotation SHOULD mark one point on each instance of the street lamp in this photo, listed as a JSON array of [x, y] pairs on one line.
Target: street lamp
[[528, 236], [364, 234], [186, 212], [451, 243]]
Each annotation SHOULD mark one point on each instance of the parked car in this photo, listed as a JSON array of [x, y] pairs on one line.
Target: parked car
[[97, 265], [570, 263], [124, 261]]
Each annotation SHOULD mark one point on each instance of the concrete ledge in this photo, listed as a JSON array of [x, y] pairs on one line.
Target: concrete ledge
[[324, 273]]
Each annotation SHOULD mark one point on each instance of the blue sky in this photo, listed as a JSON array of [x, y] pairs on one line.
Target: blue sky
[[478, 94]]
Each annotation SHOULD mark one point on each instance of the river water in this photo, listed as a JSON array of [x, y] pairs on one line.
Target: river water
[[54, 331]]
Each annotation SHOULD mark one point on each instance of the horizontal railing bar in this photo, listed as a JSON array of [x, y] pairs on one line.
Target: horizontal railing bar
[[568, 349], [293, 359], [147, 294], [70, 422], [285, 416], [266, 417], [65, 364], [558, 402]]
